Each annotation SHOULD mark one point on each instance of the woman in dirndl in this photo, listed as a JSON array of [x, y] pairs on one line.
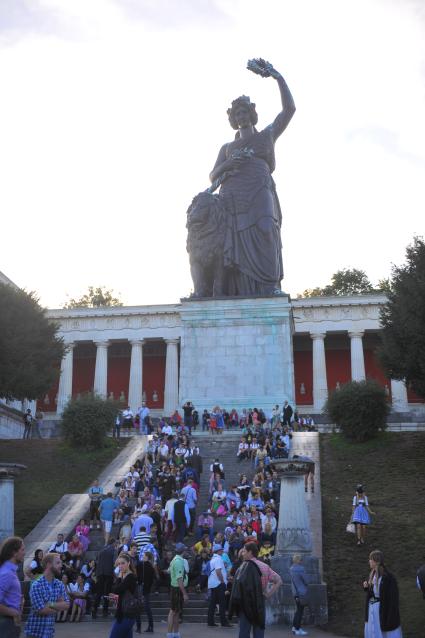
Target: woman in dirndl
[[382, 616], [361, 514]]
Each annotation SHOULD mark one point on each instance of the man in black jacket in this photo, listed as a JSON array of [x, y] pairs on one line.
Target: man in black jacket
[[287, 413], [247, 598], [104, 576]]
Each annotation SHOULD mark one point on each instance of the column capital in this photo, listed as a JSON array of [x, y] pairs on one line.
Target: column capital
[[170, 341], [317, 335], [137, 342], [100, 344], [70, 345], [355, 333]]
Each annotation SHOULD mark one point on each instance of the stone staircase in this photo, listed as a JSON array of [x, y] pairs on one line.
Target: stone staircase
[[211, 447]]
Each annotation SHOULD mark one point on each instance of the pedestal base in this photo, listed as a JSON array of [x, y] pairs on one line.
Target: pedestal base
[[237, 352]]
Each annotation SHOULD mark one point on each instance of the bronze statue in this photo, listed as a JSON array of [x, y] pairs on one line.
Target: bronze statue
[[251, 259]]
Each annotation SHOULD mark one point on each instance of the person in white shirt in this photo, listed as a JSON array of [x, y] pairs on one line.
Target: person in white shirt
[[79, 592], [268, 517], [253, 448], [243, 450], [163, 452], [60, 547], [167, 429], [217, 581], [127, 419], [133, 473], [169, 511]]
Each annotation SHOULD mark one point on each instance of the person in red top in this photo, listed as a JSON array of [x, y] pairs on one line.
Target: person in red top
[[76, 549]]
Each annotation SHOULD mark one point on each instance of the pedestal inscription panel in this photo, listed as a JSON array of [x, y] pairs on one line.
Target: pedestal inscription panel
[[237, 353]]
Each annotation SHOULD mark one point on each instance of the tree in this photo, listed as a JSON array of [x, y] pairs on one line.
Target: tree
[[359, 408], [30, 350], [348, 281], [87, 420], [402, 353], [99, 297]]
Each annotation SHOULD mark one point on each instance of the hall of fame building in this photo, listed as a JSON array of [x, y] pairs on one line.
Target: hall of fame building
[[234, 353]]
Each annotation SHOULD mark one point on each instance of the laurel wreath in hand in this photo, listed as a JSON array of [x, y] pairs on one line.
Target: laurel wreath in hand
[[262, 67]]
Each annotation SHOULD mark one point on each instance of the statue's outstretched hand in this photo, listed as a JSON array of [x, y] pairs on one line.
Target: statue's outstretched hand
[[263, 68]]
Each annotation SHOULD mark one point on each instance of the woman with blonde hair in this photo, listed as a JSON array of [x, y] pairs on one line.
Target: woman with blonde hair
[[382, 616]]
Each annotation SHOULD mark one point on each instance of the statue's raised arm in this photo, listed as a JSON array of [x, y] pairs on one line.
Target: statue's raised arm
[[266, 70]]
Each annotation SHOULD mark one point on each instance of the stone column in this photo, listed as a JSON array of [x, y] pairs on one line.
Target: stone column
[[135, 386], [8, 471], [357, 357], [65, 380], [399, 396], [171, 391], [101, 369], [320, 383], [293, 530]]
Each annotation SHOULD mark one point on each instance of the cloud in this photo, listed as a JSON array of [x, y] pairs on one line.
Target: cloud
[[19, 18], [388, 140], [168, 14]]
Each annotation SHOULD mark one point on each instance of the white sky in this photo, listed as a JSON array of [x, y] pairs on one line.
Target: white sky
[[112, 113]]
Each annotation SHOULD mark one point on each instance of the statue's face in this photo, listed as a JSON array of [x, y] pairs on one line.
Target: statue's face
[[242, 117]]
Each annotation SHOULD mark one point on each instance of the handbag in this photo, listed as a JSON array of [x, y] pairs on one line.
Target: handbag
[[350, 527], [131, 605]]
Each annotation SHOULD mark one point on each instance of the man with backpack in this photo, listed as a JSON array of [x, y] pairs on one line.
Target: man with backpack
[[217, 582], [254, 581]]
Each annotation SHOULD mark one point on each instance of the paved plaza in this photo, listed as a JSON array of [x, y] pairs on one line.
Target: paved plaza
[[188, 630]]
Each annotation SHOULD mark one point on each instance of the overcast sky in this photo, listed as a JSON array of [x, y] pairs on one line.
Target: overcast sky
[[112, 113]]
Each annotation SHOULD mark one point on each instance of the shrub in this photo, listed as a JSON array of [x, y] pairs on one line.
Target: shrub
[[359, 408], [87, 420]]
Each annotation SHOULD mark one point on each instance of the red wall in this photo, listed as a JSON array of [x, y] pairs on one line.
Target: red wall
[[83, 374], [338, 367], [154, 380], [51, 406], [118, 376], [374, 370], [303, 370]]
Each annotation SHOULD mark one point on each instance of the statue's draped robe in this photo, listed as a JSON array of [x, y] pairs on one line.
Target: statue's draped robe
[[253, 246]]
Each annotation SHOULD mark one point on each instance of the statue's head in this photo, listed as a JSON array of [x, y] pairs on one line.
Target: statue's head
[[239, 106]]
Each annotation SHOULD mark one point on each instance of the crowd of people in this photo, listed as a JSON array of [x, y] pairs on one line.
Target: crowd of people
[[155, 537], [215, 420]]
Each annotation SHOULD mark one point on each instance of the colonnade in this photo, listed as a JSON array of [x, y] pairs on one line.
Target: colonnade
[[135, 389], [320, 383]]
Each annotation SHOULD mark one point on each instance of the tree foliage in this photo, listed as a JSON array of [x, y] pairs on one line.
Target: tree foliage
[[99, 297], [359, 408], [348, 281], [30, 350], [87, 420], [402, 353]]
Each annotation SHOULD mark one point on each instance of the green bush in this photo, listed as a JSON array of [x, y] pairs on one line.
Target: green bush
[[359, 408], [87, 420]]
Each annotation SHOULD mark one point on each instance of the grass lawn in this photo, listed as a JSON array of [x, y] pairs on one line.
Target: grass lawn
[[392, 469], [54, 469]]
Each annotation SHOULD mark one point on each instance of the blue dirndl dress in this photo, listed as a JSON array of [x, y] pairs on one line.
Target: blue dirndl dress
[[361, 514]]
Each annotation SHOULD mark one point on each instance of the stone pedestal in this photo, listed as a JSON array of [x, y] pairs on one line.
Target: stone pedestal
[[237, 352], [8, 471], [294, 537]]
